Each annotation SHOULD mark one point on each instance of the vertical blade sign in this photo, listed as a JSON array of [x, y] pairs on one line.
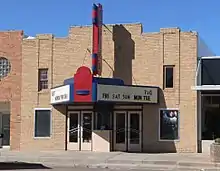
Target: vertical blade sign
[[100, 22], [97, 39]]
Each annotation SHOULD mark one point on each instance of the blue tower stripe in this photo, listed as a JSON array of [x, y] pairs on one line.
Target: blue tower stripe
[[94, 68], [95, 6], [94, 55]]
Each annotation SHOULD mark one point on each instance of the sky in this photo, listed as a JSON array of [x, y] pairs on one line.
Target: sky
[[56, 16]]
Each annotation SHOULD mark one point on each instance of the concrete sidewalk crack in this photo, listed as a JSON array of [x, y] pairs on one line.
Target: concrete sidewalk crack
[[106, 160]]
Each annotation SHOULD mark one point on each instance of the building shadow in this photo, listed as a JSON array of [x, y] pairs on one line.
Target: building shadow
[[62, 109], [21, 166], [154, 125], [124, 53], [164, 146]]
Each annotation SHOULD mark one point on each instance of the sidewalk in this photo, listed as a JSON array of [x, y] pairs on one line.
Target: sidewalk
[[112, 159]]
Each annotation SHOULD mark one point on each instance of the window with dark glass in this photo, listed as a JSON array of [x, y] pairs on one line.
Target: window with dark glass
[[169, 124], [42, 123], [43, 79], [102, 121], [210, 71], [168, 76], [5, 67]]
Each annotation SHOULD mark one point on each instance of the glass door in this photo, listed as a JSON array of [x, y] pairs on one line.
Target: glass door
[[120, 131], [86, 130], [5, 129], [73, 137], [134, 131]]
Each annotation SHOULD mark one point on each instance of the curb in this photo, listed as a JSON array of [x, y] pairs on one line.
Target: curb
[[134, 167], [167, 163], [70, 162]]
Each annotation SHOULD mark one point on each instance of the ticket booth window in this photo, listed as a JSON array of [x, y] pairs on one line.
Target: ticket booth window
[[102, 121]]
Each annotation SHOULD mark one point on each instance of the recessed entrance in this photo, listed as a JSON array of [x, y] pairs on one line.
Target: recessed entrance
[[127, 131], [5, 128], [210, 118], [5, 123], [79, 130]]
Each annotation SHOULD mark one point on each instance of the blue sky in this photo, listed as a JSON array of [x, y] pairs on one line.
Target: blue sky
[[55, 16]]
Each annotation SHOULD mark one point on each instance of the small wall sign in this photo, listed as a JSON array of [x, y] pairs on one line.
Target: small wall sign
[[60, 94]]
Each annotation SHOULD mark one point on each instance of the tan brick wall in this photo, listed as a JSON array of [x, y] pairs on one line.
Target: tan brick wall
[[10, 86], [38, 53], [136, 57], [170, 47]]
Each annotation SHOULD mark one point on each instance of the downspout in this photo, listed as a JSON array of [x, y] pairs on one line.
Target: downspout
[[197, 73]]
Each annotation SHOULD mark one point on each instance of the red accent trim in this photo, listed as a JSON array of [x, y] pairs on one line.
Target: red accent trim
[[83, 81], [94, 13], [95, 39], [94, 61]]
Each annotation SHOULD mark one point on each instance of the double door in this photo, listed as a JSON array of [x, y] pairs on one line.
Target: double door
[[127, 131], [79, 130]]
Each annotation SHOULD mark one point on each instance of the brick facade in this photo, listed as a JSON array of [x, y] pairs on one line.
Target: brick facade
[[10, 86], [129, 54]]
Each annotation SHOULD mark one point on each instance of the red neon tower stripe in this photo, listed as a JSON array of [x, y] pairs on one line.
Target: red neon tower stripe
[[100, 22], [95, 43]]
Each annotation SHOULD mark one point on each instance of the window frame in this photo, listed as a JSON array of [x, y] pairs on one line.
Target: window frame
[[96, 118], [42, 80], [159, 133], [165, 76], [7, 69], [40, 109]]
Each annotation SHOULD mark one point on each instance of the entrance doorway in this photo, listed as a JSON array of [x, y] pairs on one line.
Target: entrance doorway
[[210, 118], [127, 131], [79, 130], [5, 129]]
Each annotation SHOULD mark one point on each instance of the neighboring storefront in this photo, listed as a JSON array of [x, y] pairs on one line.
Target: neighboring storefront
[[10, 88], [207, 86]]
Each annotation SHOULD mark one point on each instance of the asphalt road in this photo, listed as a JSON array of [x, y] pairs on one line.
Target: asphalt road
[[91, 169], [39, 167], [81, 169]]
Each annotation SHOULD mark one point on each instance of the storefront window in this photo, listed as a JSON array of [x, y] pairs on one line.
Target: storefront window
[[102, 121], [169, 124], [210, 117], [42, 125]]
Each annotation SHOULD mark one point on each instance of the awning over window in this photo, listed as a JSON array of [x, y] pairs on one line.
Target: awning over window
[[208, 74]]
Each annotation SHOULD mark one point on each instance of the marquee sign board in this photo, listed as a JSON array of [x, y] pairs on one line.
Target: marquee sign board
[[133, 94]]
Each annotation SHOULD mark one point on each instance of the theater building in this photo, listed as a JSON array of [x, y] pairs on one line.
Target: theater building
[[143, 101], [153, 93]]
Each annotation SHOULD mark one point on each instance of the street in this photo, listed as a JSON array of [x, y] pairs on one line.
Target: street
[[23, 166], [9, 167], [87, 161], [87, 169]]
